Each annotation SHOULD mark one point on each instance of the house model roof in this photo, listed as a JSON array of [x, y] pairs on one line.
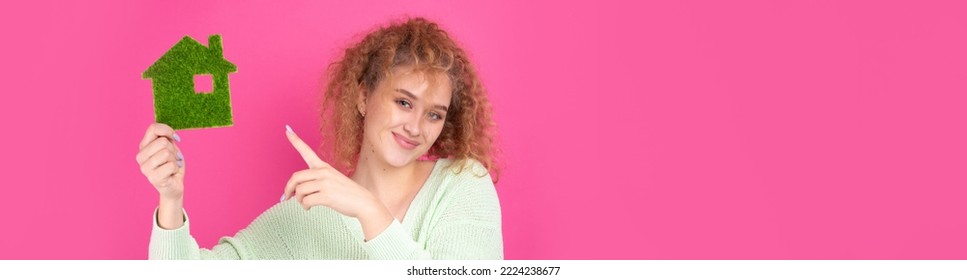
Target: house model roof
[[190, 57]]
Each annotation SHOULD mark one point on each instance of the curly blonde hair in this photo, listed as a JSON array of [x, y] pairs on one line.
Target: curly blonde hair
[[469, 129]]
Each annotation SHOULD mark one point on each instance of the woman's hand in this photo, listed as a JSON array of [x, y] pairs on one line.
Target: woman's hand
[[161, 161], [322, 184], [163, 165]]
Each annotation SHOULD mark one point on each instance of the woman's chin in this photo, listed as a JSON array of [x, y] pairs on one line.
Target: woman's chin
[[401, 159]]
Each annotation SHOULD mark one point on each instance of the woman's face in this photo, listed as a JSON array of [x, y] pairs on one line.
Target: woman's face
[[405, 115]]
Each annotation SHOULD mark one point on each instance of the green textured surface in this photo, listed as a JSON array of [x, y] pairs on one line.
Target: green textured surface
[[172, 81]]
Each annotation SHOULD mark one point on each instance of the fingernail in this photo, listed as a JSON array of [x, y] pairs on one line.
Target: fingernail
[[281, 199], [289, 129], [180, 163], [181, 157], [177, 138]]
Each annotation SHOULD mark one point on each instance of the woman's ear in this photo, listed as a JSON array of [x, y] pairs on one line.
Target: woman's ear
[[361, 103]]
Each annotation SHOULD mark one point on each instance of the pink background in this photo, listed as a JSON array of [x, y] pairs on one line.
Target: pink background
[[685, 130]]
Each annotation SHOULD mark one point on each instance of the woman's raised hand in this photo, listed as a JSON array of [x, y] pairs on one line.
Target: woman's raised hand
[[161, 161]]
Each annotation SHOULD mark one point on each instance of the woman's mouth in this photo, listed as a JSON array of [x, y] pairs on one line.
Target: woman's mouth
[[405, 142]]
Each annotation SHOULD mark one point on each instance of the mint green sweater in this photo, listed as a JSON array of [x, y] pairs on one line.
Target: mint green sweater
[[453, 216]]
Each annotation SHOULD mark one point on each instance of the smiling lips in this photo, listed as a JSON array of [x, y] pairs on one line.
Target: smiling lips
[[405, 142]]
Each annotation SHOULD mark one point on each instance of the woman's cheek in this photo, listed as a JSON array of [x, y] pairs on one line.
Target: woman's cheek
[[437, 129]]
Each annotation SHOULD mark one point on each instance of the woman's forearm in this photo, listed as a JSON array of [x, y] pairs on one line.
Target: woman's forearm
[[170, 213]]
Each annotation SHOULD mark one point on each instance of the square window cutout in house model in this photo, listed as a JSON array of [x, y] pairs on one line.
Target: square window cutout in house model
[[190, 85]]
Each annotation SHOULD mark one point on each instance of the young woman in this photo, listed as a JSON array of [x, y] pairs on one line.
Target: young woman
[[408, 120]]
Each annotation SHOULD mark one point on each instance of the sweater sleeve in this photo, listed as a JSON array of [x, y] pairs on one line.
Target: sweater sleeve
[[178, 244], [467, 226]]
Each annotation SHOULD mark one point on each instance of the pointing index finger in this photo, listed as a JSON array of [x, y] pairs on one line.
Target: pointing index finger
[[304, 150]]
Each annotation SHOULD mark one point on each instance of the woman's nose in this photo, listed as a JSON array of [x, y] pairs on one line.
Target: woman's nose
[[412, 125]]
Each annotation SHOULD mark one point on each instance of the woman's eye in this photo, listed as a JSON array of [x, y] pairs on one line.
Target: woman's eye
[[435, 116], [403, 103]]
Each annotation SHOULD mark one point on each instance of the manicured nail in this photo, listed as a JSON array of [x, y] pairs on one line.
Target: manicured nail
[[181, 157], [289, 129], [177, 138], [180, 163], [281, 199]]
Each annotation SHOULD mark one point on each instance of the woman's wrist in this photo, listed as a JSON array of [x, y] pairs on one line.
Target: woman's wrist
[[172, 196], [375, 220]]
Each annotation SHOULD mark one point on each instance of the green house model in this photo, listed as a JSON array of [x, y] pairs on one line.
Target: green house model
[[190, 85]]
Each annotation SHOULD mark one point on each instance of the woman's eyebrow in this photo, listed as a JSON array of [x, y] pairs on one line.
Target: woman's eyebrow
[[411, 95]]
